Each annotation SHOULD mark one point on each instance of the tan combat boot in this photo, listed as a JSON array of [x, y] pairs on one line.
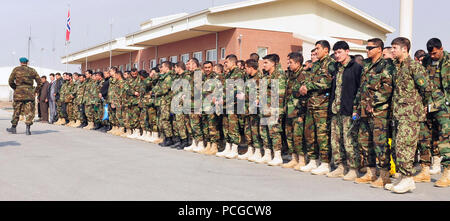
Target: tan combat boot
[[338, 172], [120, 131], [311, 165], [292, 163], [247, 155], [436, 167], [256, 155], [233, 153], [207, 149], [370, 176], [323, 169], [267, 156], [382, 180], [191, 148], [89, 126], [424, 175], [301, 162], [277, 159], [444, 181], [213, 150], [351, 175], [77, 124], [405, 185]]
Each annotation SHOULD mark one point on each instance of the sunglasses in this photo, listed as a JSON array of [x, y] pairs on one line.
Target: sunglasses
[[369, 48]]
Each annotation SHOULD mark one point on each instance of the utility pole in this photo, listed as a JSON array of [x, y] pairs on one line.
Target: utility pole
[[29, 45]]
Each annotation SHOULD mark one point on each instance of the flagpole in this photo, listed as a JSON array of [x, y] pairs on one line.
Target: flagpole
[[67, 40]]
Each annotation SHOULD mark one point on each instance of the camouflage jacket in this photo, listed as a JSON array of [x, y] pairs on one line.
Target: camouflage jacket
[[133, 85], [114, 93], [411, 91], [63, 91], [80, 93], [21, 81], [319, 82], [93, 89], [71, 92], [267, 111], [147, 86], [375, 90], [252, 109], [439, 75], [295, 103], [162, 90], [235, 74], [208, 89]]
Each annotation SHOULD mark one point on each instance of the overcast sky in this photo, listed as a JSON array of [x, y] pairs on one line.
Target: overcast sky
[[91, 23]]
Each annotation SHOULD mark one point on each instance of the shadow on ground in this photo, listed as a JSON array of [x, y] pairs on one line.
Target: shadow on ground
[[9, 143], [43, 132]]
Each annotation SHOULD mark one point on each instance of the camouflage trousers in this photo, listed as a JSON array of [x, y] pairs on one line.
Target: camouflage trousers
[[81, 114], [294, 134], [114, 114], [70, 112], [196, 126], [93, 112], [316, 135], [271, 136], [252, 133], [133, 114], [428, 137], [164, 123], [373, 139], [61, 109], [124, 118], [148, 119], [230, 124], [26, 108], [181, 124], [343, 145], [443, 120], [405, 139], [210, 128]]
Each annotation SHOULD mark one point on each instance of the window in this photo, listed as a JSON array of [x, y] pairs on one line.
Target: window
[[128, 67], [185, 58], [143, 65], [199, 56], [121, 68], [136, 65], [174, 59], [262, 51], [211, 55], [161, 60], [222, 53], [153, 63]]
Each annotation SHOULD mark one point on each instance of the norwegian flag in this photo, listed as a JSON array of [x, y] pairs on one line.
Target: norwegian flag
[[68, 28]]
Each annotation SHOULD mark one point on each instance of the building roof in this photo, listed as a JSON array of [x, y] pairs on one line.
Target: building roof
[[182, 26]]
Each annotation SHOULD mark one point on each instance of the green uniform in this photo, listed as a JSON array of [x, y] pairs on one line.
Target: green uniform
[[210, 119], [21, 81], [162, 92], [133, 110], [252, 120], [230, 121]]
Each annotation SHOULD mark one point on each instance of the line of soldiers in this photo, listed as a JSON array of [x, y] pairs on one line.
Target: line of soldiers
[[334, 115]]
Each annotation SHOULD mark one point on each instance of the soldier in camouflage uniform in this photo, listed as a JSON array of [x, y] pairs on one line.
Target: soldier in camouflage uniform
[[295, 111], [78, 102], [252, 120], [61, 105], [211, 132], [124, 104], [317, 87], [162, 92], [21, 81], [271, 131], [230, 120], [69, 98], [411, 95], [437, 65], [113, 99], [181, 121], [372, 105], [195, 118], [132, 90]]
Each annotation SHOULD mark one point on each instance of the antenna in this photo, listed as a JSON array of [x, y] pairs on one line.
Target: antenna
[[29, 45]]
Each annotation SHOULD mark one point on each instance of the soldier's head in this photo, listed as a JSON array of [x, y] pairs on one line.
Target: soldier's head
[[69, 77], [207, 67], [270, 62], [419, 55], [314, 55], [435, 50], [322, 49], [118, 75], [126, 75], [218, 69], [230, 62], [387, 53], [134, 72], [241, 64], [374, 48], [58, 76], [113, 71], [82, 78], [143, 74], [88, 74], [254, 56], [194, 64], [295, 61], [98, 76], [341, 52], [251, 67], [166, 66], [180, 67], [23, 61], [75, 76], [400, 48], [154, 71]]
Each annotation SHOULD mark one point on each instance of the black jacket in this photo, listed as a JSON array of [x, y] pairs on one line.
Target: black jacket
[[105, 88], [350, 85]]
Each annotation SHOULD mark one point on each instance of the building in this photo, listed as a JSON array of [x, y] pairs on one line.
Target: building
[[262, 26]]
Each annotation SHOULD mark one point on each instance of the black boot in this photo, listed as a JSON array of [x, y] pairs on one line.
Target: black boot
[[84, 124], [167, 142], [28, 132], [12, 130], [176, 142], [97, 127], [184, 143]]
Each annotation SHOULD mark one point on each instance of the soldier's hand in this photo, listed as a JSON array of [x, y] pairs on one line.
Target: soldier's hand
[[300, 119], [46, 100], [354, 115], [113, 106], [369, 109], [136, 93], [240, 96], [303, 90], [100, 95]]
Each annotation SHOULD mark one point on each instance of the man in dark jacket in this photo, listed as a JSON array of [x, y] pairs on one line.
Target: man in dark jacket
[[345, 85], [43, 99], [104, 96]]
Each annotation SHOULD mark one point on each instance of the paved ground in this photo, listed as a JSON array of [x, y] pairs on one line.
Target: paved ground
[[60, 163]]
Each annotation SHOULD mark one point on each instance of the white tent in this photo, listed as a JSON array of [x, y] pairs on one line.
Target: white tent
[[6, 93]]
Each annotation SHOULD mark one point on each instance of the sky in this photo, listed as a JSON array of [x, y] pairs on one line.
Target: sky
[[90, 22]]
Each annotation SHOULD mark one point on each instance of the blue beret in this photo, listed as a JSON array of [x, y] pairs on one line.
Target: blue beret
[[23, 60]]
